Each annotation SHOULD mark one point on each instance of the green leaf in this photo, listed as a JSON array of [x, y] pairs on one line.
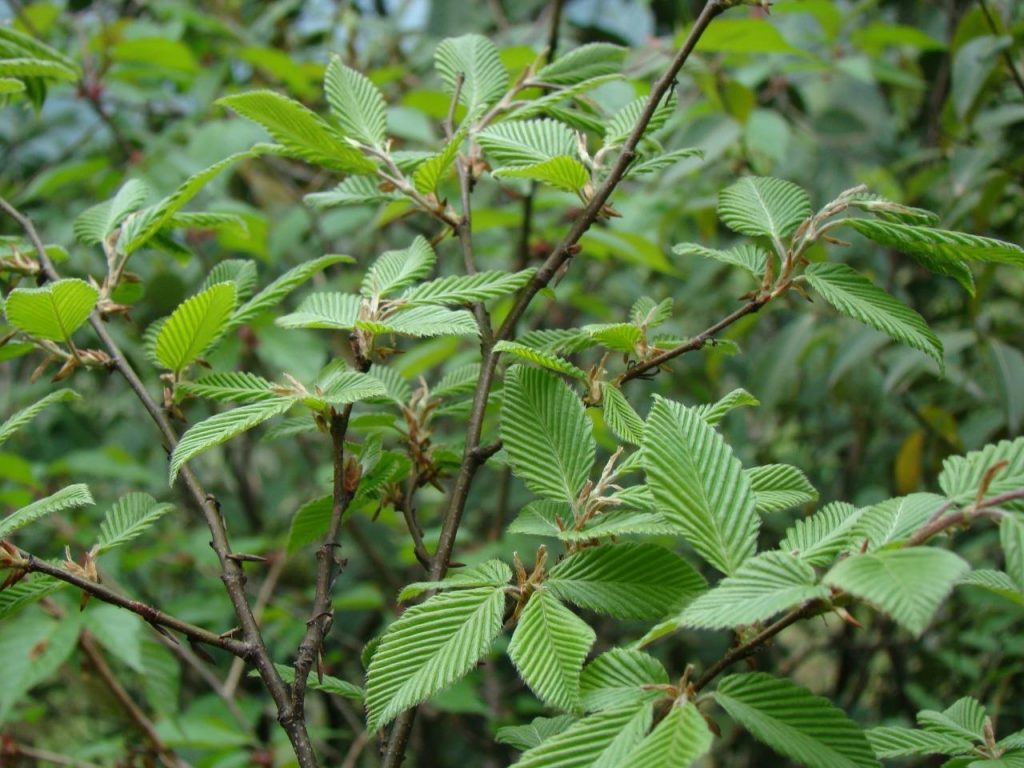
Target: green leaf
[[544, 359], [662, 161], [648, 313], [603, 739], [621, 124], [759, 205], [620, 416], [962, 476], [546, 433], [938, 243], [778, 487], [335, 311], [118, 631], [889, 742], [356, 104], [428, 648], [699, 485], [548, 648], [342, 387], [230, 387], [466, 289], [749, 257], [272, 295], [763, 586], [355, 190], [680, 738], [1011, 537], [907, 584], [539, 730], [541, 518], [394, 270], [194, 326], [333, 685], [619, 677], [562, 172], [627, 581], [29, 590], [548, 104], [66, 498], [94, 224], [10, 85], [622, 337], [892, 211], [17, 44], [434, 169], [527, 142], [53, 312], [34, 648], [855, 296], [476, 60], [25, 415], [894, 521], [301, 132], [996, 582], [490, 573], [240, 272], [964, 718], [22, 68], [222, 427], [583, 63], [794, 722], [713, 413], [130, 516], [424, 321], [819, 538]]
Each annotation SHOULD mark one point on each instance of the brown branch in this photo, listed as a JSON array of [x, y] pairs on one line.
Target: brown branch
[[697, 342], [277, 561], [231, 571], [44, 755]]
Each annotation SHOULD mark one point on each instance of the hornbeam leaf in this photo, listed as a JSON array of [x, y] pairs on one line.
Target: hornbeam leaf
[[546, 433], [522, 143], [66, 498], [544, 359], [54, 311], [888, 742], [222, 427], [819, 538], [194, 326], [272, 295], [964, 718], [605, 738], [424, 321], [491, 573], [356, 104], [25, 415], [129, 518], [699, 485], [548, 648], [713, 413], [335, 311], [561, 172], [394, 270], [466, 289], [907, 584], [680, 738], [794, 722], [583, 63], [620, 677], [763, 586], [94, 224], [962, 476], [855, 296], [473, 62], [620, 416], [230, 387], [940, 243], [428, 648], [525, 736], [779, 486], [894, 520], [763, 206], [355, 190]]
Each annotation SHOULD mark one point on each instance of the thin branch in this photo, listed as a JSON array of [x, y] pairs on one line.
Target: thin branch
[[277, 561], [231, 571], [1017, 78], [44, 755]]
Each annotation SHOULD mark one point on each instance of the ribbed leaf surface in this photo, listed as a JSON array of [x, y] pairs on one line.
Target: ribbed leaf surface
[[618, 677], [222, 427], [52, 312], [527, 142], [907, 584], [964, 718], [194, 325], [700, 485], [466, 289], [680, 738], [548, 648], [623, 337], [639, 581], [355, 190], [602, 739], [428, 648], [549, 103], [22, 68], [780, 486], [889, 742], [621, 124], [940, 243], [476, 59], [961, 476], [25, 415], [343, 387], [94, 224], [819, 538], [17, 44], [66, 498], [436, 167], [763, 206], [394, 270], [583, 63], [336, 311], [241, 272], [272, 295], [546, 433], [29, 590], [525, 737], [748, 257], [230, 387], [544, 359], [130, 516], [562, 172], [490, 573], [763, 586], [994, 581], [855, 296], [620, 416], [356, 104], [794, 722], [894, 520], [713, 413], [1011, 537], [424, 321]]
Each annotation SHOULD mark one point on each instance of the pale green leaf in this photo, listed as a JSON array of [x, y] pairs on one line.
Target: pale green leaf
[[819, 538], [424, 321], [620, 416], [621, 124], [342, 387], [699, 485], [583, 63], [230, 387], [907, 584], [527, 142], [194, 326], [962, 476], [222, 427], [964, 718], [894, 521], [540, 729], [355, 190], [272, 295], [428, 648], [240, 272], [435, 168], [648, 313], [713, 413], [546, 433], [333, 685], [335, 311], [622, 337], [356, 104], [603, 739], [794, 722], [619, 677], [71, 497], [474, 60], [548, 648], [662, 161], [94, 224], [544, 359], [748, 256], [490, 573], [17, 44], [855, 296], [780, 486], [680, 738], [759, 205], [939, 243], [394, 270], [996, 582], [562, 172], [466, 289], [10, 85], [29, 590], [54, 311], [892, 211], [889, 742], [25, 415], [22, 68], [130, 516], [548, 104]]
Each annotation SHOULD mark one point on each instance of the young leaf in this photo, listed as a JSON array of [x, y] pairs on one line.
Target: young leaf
[[889, 742], [94, 224], [428, 648], [794, 722], [622, 337], [16, 44], [855, 296], [548, 648], [649, 313], [53, 312], [356, 104], [230, 387], [490, 573], [700, 485], [749, 257], [680, 738], [763, 586], [343, 387], [466, 289], [549, 104], [907, 584], [627, 581], [301, 132], [424, 321], [544, 359], [527, 142], [996, 582], [334, 311], [562, 172], [434, 169], [66, 498], [763, 206], [29, 590], [713, 413], [546, 432], [474, 59], [661, 161], [621, 124], [620, 416], [939, 243], [25, 68], [962, 476], [240, 272], [583, 63], [128, 518], [1011, 537], [272, 295], [964, 718], [525, 737], [222, 427], [619, 677], [355, 190], [25, 415], [778, 487], [394, 270], [819, 538], [602, 739], [194, 325], [894, 521]]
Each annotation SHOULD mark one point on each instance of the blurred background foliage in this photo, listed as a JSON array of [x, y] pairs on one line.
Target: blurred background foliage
[[916, 99]]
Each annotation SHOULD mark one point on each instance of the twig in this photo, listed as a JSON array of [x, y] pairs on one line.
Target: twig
[[277, 561], [46, 756], [231, 571], [1017, 78]]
